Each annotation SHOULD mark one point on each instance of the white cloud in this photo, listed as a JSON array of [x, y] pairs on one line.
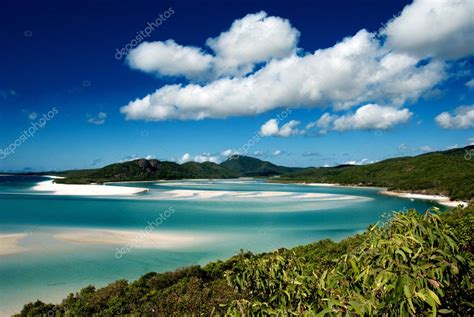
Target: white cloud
[[32, 116], [311, 154], [470, 83], [128, 158], [259, 153], [271, 128], [361, 162], [426, 148], [434, 28], [170, 59], [277, 152], [382, 68], [201, 158], [185, 158], [253, 39], [404, 148], [368, 117], [355, 70], [228, 152], [454, 146], [98, 120], [471, 141], [463, 118]]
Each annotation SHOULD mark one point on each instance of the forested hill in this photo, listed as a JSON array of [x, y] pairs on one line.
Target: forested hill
[[142, 170], [449, 173], [250, 166]]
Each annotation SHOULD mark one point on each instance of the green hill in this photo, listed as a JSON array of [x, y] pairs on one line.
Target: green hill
[[412, 265], [447, 173], [251, 167], [142, 170]]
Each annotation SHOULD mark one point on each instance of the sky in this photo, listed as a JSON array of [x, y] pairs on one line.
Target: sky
[[314, 83]]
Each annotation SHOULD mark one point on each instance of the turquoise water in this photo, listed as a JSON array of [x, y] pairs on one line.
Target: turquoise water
[[235, 218]]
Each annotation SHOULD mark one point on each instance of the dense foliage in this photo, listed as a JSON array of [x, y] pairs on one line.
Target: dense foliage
[[251, 167], [413, 264], [448, 173], [142, 170]]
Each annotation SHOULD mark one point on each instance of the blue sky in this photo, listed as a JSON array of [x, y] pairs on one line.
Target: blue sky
[[364, 81]]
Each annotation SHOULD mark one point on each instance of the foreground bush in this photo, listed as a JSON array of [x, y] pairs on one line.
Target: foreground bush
[[414, 264]]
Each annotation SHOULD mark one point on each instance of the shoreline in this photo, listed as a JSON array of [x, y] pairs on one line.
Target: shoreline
[[180, 179], [148, 239], [86, 190], [9, 243], [442, 200], [334, 185]]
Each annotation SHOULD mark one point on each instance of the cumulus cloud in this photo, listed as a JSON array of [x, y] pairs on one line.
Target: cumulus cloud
[[200, 158], [170, 59], [470, 83], [271, 128], [229, 152], [278, 152], [372, 117], [426, 148], [434, 28], [253, 39], [136, 157], [98, 120], [463, 118], [384, 68], [471, 141], [353, 71], [361, 162], [368, 117]]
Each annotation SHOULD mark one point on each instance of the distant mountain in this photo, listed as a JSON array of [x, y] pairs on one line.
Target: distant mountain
[[251, 167], [142, 170], [448, 173]]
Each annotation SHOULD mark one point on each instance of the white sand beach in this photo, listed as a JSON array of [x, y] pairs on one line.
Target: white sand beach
[[9, 243], [322, 197], [86, 190], [337, 185], [139, 239], [443, 200]]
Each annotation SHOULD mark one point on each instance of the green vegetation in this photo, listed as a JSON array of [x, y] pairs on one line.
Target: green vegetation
[[142, 170], [413, 264], [251, 167], [446, 173]]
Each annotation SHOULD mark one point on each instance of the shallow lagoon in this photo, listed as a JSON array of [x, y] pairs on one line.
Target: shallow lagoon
[[224, 216]]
